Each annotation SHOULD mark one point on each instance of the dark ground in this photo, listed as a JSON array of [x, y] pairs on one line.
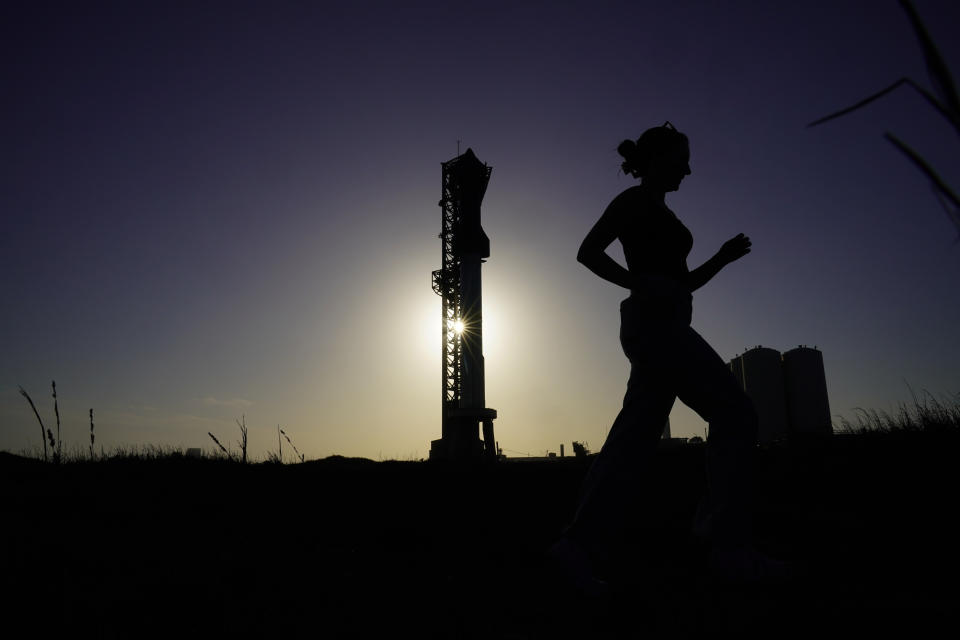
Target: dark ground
[[354, 548]]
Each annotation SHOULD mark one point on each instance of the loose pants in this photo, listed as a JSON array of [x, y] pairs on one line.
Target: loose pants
[[669, 360]]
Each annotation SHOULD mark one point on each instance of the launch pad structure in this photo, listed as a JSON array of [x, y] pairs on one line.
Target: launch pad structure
[[465, 247]]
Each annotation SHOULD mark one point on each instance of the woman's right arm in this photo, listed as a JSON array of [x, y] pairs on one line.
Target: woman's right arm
[[593, 255], [593, 250]]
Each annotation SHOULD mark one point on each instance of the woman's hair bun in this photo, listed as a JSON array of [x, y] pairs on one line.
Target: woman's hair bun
[[631, 157]]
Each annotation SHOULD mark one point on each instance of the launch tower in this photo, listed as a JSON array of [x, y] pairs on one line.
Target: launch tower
[[464, 248]]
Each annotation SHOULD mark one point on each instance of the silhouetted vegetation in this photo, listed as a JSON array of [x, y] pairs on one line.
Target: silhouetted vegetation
[[43, 431], [56, 410], [926, 415], [296, 453], [946, 102], [217, 442], [372, 543], [242, 423]]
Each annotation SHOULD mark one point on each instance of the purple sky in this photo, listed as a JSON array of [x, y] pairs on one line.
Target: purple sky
[[232, 210]]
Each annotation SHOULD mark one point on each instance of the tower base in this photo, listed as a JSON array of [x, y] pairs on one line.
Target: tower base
[[460, 442]]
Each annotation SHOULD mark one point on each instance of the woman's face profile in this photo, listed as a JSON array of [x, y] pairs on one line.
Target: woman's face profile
[[671, 168]]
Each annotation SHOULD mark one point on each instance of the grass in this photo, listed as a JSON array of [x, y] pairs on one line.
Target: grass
[[146, 452], [143, 452], [944, 98], [334, 547], [296, 453], [43, 438], [388, 536], [927, 414], [222, 448]]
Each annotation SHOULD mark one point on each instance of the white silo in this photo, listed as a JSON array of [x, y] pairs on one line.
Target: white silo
[[762, 375], [808, 409]]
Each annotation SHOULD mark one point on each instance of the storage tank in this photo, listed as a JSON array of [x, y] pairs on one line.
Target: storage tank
[[736, 366], [808, 409], [762, 377]]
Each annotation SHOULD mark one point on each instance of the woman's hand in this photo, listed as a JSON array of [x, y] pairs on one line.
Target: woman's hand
[[734, 248]]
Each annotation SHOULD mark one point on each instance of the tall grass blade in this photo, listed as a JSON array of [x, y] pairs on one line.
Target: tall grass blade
[[56, 410], [290, 442], [222, 448], [91, 434], [243, 438], [953, 213], [936, 67], [939, 185], [36, 413], [932, 99], [862, 103]]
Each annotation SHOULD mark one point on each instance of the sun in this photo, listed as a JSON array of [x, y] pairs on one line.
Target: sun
[[458, 326]]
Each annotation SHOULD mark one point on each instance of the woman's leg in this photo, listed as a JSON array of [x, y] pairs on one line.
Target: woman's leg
[[706, 385], [612, 485]]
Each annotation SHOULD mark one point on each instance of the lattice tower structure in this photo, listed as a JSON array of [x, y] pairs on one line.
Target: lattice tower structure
[[463, 182], [446, 281]]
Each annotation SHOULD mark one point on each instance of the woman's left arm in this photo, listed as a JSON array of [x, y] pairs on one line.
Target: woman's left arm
[[732, 249]]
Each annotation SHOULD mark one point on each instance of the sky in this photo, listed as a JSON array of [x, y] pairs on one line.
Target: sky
[[222, 210]]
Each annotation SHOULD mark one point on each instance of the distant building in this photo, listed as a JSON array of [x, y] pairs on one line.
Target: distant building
[[808, 409], [789, 391], [760, 374]]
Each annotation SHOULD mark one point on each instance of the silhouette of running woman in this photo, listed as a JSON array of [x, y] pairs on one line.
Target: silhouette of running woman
[[668, 360]]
